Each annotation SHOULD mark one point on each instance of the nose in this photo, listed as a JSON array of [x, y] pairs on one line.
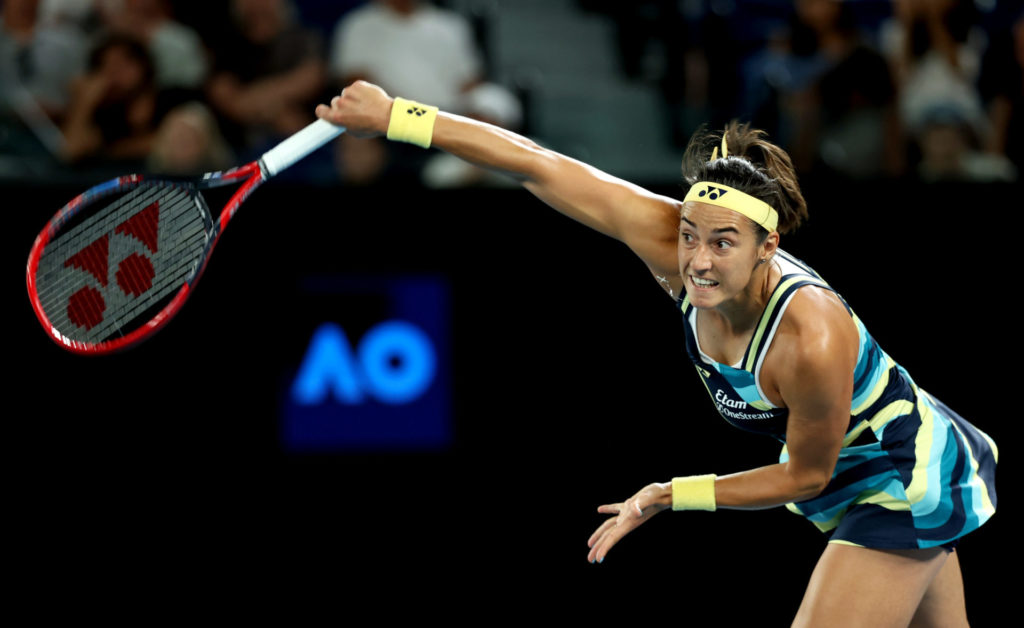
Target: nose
[[701, 261]]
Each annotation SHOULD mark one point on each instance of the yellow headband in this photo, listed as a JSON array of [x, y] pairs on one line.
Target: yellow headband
[[724, 196]]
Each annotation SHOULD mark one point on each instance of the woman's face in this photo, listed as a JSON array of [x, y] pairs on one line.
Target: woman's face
[[718, 252]]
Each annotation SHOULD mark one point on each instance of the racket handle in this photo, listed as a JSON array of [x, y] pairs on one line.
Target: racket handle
[[299, 145]]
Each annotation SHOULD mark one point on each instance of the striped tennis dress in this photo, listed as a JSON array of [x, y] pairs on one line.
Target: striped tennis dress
[[911, 474]]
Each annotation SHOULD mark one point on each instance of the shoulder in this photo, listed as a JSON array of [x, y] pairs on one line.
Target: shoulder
[[817, 342], [815, 316]]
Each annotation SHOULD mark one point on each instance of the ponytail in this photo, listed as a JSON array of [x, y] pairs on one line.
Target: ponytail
[[753, 165]]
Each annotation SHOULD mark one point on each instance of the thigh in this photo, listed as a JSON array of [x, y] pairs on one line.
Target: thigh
[[943, 603], [857, 586]]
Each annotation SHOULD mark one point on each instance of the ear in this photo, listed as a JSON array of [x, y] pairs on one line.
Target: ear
[[770, 245]]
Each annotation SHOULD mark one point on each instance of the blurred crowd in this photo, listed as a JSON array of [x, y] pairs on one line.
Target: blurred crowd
[[931, 89]]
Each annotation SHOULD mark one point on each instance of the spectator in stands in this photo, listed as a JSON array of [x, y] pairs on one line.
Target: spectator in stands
[[950, 150], [38, 61], [40, 58], [827, 94], [178, 54], [115, 109], [688, 49], [1002, 88], [268, 72], [189, 143], [408, 47], [935, 49]]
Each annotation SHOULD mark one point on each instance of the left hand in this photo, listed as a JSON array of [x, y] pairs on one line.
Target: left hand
[[629, 515]]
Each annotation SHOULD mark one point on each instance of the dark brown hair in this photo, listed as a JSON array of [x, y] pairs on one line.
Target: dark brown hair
[[754, 166]]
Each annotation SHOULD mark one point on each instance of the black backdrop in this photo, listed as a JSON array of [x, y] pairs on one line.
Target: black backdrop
[[154, 482]]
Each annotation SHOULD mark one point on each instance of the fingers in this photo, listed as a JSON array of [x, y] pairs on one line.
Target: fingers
[[362, 108], [606, 536], [628, 515], [596, 536]]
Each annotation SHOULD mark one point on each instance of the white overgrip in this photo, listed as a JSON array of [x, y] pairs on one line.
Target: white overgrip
[[299, 145]]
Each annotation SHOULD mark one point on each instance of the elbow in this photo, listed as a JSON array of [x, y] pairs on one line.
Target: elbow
[[808, 483], [537, 165]]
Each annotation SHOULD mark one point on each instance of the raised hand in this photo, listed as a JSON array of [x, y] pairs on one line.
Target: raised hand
[[362, 108]]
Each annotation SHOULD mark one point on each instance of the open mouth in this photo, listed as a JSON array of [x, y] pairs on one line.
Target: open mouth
[[703, 283]]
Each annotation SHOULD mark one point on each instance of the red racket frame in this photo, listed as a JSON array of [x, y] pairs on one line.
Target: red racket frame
[[254, 175]]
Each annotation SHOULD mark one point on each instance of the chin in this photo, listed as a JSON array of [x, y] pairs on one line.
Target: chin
[[702, 300]]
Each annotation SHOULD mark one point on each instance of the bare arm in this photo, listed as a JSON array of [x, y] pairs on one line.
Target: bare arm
[[812, 371], [644, 221], [811, 365]]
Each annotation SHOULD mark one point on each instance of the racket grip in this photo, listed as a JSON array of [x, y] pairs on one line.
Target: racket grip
[[299, 145]]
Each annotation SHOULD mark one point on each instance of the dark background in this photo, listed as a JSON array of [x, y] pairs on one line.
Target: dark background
[[155, 478]]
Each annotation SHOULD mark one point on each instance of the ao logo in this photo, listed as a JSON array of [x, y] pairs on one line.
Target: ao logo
[[395, 363]]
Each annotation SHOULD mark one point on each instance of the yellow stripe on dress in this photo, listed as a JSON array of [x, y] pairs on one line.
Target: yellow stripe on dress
[[986, 500], [879, 389], [883, 499], [928, 440], [855, 432], [842, 542], [766, 317], [898, 408]]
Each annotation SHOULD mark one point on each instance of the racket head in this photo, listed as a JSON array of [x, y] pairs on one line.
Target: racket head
[[118, 261]]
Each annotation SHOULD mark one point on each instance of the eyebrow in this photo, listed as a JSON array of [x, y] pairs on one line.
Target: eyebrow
[[721, 230]]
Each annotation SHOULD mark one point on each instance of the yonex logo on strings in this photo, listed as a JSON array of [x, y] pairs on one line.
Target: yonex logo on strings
[[134, 274], [712, 192]]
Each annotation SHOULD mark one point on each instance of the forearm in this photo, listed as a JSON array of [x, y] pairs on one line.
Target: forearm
[[766, 487], [490, 147], [594, 198]]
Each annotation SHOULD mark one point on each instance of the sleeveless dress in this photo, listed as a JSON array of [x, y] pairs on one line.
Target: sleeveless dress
[[911, 473]]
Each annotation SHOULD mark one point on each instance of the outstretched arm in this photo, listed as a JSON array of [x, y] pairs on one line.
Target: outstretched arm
[[646, 222]]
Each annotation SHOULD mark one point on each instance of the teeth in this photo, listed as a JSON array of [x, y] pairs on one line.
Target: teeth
[[704, 282]]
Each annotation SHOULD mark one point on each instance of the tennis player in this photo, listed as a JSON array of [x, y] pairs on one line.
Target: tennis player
[[892, 475]]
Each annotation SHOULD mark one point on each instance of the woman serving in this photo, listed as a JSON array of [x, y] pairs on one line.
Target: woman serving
[[892, 475]]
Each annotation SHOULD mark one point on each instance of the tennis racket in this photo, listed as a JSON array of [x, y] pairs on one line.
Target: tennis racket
[[116, 263]]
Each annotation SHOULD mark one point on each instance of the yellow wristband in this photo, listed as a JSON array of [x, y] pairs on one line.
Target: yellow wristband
[[412, 122], [694, 492]]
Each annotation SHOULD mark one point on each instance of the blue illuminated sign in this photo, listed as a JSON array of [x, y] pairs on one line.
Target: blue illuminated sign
[[395, 364], [375, 372]]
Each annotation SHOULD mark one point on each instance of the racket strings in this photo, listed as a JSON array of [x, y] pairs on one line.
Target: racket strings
[[99, 229], [127, 267], [115, 317]]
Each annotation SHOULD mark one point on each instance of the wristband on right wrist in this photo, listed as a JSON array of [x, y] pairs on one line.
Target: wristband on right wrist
[[694, 492], [411, 122]]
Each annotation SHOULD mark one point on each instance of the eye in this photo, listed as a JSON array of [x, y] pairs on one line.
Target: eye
[[686, 236], [723, 244]]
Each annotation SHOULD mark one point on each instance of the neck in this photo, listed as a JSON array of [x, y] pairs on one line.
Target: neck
[[740, 315]]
